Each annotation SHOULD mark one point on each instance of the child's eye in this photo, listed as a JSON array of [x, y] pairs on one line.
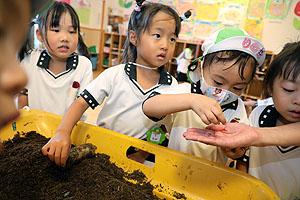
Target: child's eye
[[287, 90], [156, 35], [238, 89], [72, 32], [172, 39], [218, 83], [55, 30]]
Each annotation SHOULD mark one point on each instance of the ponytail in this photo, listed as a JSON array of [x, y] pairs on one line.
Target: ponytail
[[82, 48], [27, 46]]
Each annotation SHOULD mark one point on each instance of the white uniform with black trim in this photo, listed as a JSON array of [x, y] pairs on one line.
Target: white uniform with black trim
[[182, 65], [55, 93], [276, 166], [179, 122], [122, 111]]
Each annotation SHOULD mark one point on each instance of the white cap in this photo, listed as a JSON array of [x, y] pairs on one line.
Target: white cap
[[232, 39]]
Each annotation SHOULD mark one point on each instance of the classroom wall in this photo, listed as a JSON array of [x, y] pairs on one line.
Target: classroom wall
[[91, 36], [90, 30], [274, 34]]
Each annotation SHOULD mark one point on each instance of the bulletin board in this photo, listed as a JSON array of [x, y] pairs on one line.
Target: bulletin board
[[274, 22], [89, 12], [276, 33]]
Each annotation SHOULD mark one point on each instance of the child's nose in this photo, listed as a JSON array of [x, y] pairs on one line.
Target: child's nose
[[64, 37], [297, 100], [164, 44]]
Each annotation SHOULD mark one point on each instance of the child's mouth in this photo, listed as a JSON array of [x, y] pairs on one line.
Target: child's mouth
[[63, 48], [295, 114], [161, 56]]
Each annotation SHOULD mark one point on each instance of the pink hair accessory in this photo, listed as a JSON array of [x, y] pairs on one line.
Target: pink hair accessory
[[137, 8]]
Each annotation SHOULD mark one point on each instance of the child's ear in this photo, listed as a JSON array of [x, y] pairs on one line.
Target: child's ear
[[132, 37], [38, 35]]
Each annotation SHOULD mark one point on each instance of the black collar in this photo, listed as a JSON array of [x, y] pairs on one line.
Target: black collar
[[44, 60], [195, 88], [268, 118], [165, 77]]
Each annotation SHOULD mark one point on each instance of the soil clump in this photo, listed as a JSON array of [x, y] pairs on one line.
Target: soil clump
[[27, 174]]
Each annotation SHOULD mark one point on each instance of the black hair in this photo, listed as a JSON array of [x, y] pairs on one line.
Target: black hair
[[141, 21], [286, 65], [239, 56], [51, 18]]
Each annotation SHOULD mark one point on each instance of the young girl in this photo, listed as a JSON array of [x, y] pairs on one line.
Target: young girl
[[56, 75], [152, 32], [230, 58], [278, 166]]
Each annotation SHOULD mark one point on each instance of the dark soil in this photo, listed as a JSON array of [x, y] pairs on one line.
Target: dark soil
[[26, 174]]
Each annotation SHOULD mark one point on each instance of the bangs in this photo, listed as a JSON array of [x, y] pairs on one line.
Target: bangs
[[241, 58], [150, 10], [291, 68], [56, 14]]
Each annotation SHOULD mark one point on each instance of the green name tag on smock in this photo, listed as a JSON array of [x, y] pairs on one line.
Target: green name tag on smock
[[156, 135]]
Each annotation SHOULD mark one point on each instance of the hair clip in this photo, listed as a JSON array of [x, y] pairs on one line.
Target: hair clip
[[186, 15], [138, 5], [137, 8]]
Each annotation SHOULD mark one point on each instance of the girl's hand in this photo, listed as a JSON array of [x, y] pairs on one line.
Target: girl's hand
[[207, 109], [58, 148]]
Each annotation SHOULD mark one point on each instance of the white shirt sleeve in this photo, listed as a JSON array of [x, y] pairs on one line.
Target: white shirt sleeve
[[87, 76], [254, 116], [26, 64], [102, 86]]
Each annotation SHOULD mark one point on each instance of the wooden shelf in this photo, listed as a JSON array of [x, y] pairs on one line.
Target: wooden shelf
[[255, 89], [112, 47], [180, 46]]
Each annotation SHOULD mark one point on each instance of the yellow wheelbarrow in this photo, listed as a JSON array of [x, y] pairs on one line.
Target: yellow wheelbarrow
[[173, 172]]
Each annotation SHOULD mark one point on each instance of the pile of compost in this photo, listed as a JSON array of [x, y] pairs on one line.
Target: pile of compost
[[27, 174]]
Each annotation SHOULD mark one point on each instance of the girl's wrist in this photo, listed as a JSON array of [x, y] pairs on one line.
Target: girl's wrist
[[61, 131]]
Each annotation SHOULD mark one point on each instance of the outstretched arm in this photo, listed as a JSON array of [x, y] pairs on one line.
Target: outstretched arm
[[58, 147], [240, 135], [206, 108]]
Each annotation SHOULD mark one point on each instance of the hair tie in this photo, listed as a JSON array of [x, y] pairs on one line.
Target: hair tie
[[186, 15], [138, 6]]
